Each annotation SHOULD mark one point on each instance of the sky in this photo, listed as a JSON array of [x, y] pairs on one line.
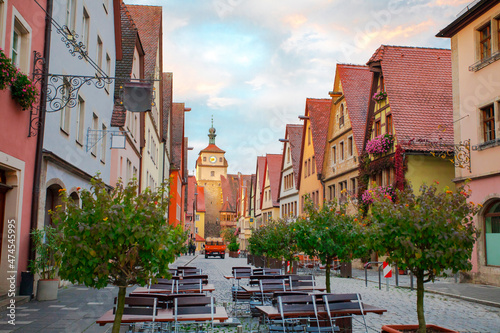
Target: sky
[[251, 64]]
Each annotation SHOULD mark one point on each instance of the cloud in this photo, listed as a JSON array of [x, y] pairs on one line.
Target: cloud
[[252, 63]]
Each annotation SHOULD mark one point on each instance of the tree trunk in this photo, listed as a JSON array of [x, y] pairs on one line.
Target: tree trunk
[[420, 303], [327, 273], [120, 304]]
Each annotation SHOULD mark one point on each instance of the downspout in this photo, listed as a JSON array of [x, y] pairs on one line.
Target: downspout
[[41, 129]]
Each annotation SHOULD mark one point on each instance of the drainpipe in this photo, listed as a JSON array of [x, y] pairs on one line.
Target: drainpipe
[[41, 129]]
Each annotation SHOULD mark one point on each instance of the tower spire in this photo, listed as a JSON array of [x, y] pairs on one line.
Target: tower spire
[[211, 133]]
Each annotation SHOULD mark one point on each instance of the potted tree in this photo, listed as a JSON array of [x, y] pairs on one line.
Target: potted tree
[[328, 232], [117, 237], [281, 242], [426, 234], [231, 236], [46, 242]]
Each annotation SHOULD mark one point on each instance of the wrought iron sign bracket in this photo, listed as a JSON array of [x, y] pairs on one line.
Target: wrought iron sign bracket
[[458, 154]]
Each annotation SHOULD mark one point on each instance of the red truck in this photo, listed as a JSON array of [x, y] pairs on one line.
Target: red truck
[[215, 247]]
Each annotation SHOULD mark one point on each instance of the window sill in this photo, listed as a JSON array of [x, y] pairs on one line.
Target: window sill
[[64, 131], [484, 62], [486, 145], [79, 143]]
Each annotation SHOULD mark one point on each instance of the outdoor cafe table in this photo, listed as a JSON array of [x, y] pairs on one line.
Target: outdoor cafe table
[[165, 315], [256, 289], [345, 324], [144, 290]]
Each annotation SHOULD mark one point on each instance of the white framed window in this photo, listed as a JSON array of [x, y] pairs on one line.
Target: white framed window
[[85, 28], [66, 111], [20, 42], [80, 121], [105, 4], [99, 51], [3, 13], [108, 72], [70, 14], [95, 124], [103, 144]]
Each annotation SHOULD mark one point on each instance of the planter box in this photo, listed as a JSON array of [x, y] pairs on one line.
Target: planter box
[[233, 254], [47, 290], [412, 328]]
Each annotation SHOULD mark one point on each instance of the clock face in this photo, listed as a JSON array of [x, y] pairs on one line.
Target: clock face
[[213, 159]]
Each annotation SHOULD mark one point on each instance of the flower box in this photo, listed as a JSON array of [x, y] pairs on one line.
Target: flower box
[[380, 96], [380, 144]]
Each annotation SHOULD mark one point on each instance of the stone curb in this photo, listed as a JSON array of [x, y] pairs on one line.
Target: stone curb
[[465, 298]]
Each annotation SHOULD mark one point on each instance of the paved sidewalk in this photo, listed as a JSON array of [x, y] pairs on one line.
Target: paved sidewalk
[[477, 293]]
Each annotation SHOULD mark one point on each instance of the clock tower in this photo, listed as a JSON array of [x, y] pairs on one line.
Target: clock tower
[[210, 166]]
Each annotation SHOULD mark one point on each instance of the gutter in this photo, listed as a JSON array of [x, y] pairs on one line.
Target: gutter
[[41, 129]]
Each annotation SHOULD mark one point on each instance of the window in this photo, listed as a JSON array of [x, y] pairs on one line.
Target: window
[[331, 191], [85, 28], [341, 118], [128, 171], [288, 152], [204, 158], [388, 124], [334, 155], [20, 53], [350, 148], [108, 71], [220, 159], [80, 120], [381, 85], [70, 14], [95, 123], [212, 173], [341, 150], [488, 123], [105, 4], [313, 164], [309, 167], [309, 135], [485, 41], [305, 169], [66, 111], [377, 128], [354, 189], [99, 52], [2, 21]]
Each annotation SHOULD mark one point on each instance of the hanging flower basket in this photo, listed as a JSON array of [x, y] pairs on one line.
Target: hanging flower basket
[[380, 96], [380, 144], [378, 192], [7, 71], [23, 90]]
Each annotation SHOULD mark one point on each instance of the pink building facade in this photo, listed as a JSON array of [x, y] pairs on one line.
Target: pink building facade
[[475, 45], [22, 31]]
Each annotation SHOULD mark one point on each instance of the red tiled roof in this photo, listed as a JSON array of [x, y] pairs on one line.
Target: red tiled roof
[[419, 90], [229, 187], [200, 200], [148, 20], [123, 69], [273, 166], [198, 238], [261, 163], [167, 103], [295, 141], [212, 148], [177, 139], [319, 116], [356, 83]]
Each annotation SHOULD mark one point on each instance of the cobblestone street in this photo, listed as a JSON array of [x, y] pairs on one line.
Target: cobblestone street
[[77, 307]]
